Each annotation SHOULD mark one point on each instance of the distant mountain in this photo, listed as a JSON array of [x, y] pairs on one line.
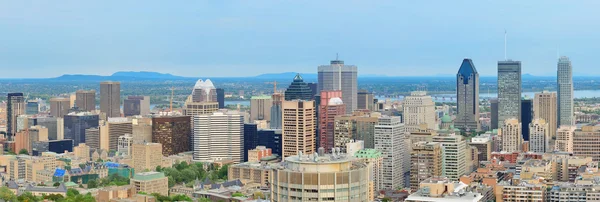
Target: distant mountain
[[287, 75], [120, 76], [148, 75]]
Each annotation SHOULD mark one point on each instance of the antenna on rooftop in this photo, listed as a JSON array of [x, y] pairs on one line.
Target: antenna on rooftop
[[504, 44], [336, 56]]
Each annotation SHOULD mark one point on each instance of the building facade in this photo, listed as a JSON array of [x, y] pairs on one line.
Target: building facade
[[75, 125], [331, 105], [219, 136], [539, 139], [467, 97], [260, 108], [298, 90], [565, 138], [59, 107], [389, 139], [511, 135], [110, 98], [146, 156], [15, 106], [509, 90], [298, 127], [425, 161], [173, 132], [338, 76], [564, 76], [545, 107], [86, 100], [136, 105]]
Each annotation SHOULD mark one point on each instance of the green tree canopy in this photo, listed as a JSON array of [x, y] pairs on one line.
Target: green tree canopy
[[23, 151]]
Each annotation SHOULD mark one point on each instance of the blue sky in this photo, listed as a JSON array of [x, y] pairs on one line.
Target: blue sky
[[246, 38]]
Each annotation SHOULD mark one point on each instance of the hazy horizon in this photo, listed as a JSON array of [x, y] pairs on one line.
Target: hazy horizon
[[247, 38]]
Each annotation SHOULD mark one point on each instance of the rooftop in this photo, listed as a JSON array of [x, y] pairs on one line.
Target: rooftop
[[261, 97], [148, 176], [367, 153]]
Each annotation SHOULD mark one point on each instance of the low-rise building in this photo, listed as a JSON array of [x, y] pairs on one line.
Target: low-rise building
[[151, 182], [443, 190]]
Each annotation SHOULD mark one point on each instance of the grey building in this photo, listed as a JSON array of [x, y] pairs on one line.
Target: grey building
[[338, 76], [221, 98], [564, 75], [494, 113], [32, 107], [15, 106], [136, 105], [85, 100], [51, 124], [364, 100], [110, 98], [509, 90], [467, 95], [59, 107], [75, 125]]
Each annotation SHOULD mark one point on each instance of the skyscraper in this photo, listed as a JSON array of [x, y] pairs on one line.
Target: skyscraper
[[110, 98], [419, 109], [219, 136], [565, 91], [32, 107], [75, 125], [426, 162], [539, 140], [298, 90], [364, 100], [260, 108], [250, 139], [276, 111], [467, 96], [86, 100], [545, 107], [331, 105], [298, 127], [221, 98], [112, 129], [59, 107], [15, 106], [512, 140], [173, 132], [136, 105], [526, 117], [565, 136], [338, 76], [203, 99], [509, 90], [494, 113], [389, 139], [454, 155]]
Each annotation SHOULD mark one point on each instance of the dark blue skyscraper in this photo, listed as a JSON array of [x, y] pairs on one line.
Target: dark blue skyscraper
[[298, 90], [250, 138], [221, 98], [75, 125], [271, 139], [32, 107], [15, 106], [526, 117], [467, 94]]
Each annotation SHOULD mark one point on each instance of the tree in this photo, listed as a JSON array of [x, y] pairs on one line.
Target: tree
[[27, 197], [204, 200], [54, 197], [23, 151], [56, 184], [237, 194], [158, 168], [386, 199], [258, 195], [181, 197], [222, 173], [92, 184], [7, 195]]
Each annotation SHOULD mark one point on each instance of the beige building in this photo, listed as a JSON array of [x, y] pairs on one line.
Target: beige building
[[298, 131], [86, 100], [199, 108], [586, 142], [110, 99], [150, 182], [442, 189], [454, 152], [251, 172], [260, 108], [539, 138], [544, 107], [426, 162], [358, 126], [524, 191], [512, 139], [564, 139], [374, 161], [418, 109], [142, 129], [113, 129], [82, 151], [146, 156], [26, 167], [320, 178], [59, 106]]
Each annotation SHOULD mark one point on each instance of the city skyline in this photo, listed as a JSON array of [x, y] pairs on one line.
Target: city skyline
[[75, 37]]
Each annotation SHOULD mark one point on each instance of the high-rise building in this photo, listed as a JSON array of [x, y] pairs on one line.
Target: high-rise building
[[331, 105], [75, 125], [203, 99], [324, 175], [59, 107], [92, 139], [509, 90], [298, 90], [146, 156], [564, 75], [467, 97], [374, 160], [51, 123], [82, 151], [276, 109], [512, 140], [136, 105], [250, 139], [364, 100], [454, 152], [219, 136], [545, 107], [426, 162], [173, 132], [221, 98], [112, 129], [260, 108], [32, 107], [494, 113], [15, 106], [270, 138], [526, 117], [338, 76], [314, 88], [389, 139], [419, 109], [110, 98], [539, 140], [56, 146], [298, 127], [141, 130], [85, 100], [565, 138], [483, 143], [586, 142]]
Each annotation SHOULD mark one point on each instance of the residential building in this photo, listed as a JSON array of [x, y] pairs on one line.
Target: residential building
[[586, 142], [150, 182], [426, 162], [254, 155], [545, 107], [338, 76], [219, 136], [374, 161], [389, 139], [509, 90], [111, 130], [320, 177], [419, 109], [564, 76], [511, 135], [483, 143], [82, 151], [146, 156], [173, 132], [85, 100], [136, 105], [467, 97], [539, 140], [454, 152], [110, 98], [565, 139], [298, 127]]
